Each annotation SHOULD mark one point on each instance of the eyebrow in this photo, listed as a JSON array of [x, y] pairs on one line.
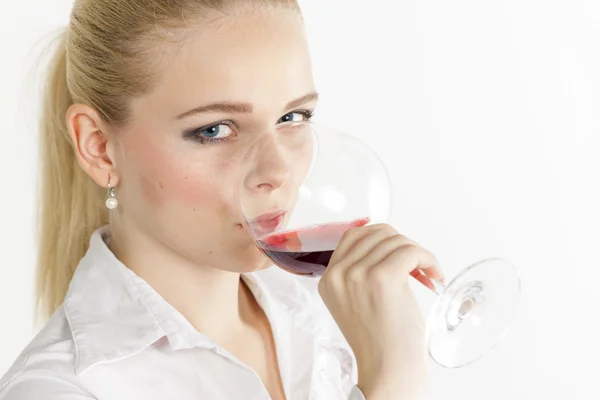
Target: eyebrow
[[236, 108]]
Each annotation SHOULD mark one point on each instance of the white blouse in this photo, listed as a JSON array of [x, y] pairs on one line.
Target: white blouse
[[115, 338]]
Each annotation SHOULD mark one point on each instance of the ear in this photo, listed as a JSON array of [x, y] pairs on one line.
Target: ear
[[92, 144]]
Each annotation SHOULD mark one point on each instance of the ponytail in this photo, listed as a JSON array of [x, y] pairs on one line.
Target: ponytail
[[70, 203]]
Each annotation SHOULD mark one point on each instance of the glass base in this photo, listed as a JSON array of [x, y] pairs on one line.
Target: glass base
[[473, 313]]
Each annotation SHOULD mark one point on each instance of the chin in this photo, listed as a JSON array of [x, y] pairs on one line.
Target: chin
[[247, 256], [249, 261]]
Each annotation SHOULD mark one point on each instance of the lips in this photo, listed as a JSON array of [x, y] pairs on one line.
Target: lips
[[267, 223]]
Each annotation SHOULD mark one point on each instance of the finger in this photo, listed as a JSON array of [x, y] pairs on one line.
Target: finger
[[358, 272], [368, 251], [401, 257], [418, 275], [351, 239], [433, 272], [340, 261], [363, 247], [383, 248], [408, 258]]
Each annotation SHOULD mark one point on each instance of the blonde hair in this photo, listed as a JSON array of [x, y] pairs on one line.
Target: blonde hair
[[106, 56]]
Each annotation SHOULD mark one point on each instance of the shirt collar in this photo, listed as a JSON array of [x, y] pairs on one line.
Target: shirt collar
[[113, 313]]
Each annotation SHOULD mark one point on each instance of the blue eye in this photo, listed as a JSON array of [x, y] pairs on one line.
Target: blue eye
[[296, 116], [215, 132], [212, 134]]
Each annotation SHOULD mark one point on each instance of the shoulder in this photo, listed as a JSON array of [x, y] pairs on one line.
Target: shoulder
[[46, 367], [42, 385]]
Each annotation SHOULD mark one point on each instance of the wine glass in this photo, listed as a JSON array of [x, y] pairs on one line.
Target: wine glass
[[302, 185]]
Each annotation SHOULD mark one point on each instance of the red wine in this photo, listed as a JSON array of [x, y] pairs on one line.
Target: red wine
[[304, 263], [306, 251]]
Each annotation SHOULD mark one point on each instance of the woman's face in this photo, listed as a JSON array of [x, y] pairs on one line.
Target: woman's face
[[178, 159]]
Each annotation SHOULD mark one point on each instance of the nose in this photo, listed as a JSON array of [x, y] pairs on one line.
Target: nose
[[269, 164]]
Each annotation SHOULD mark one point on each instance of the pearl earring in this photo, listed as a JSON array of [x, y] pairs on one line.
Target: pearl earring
[[111, 200]]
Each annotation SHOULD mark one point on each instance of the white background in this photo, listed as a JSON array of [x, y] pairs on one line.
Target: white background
[[487, 114]]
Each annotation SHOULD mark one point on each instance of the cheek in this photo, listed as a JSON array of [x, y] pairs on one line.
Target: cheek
[[168, 177]]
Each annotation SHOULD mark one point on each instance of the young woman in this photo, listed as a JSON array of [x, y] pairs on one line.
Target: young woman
[[149, 105]]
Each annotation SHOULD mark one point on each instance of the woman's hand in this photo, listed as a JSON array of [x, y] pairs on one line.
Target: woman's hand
[[365, 288]]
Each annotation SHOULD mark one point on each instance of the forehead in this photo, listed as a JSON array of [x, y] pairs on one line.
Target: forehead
[[257, 58]]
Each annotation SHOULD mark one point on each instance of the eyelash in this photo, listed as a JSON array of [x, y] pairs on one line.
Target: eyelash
[[194, 134]]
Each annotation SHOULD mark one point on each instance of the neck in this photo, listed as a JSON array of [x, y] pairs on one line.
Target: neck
[[216, 302]]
